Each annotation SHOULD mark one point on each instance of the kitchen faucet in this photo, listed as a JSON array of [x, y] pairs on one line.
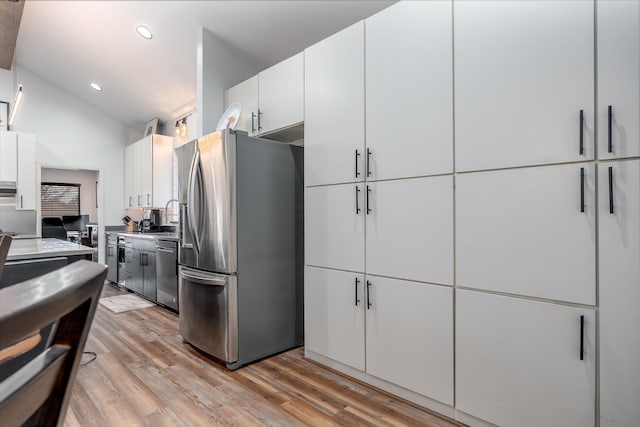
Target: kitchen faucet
[[166, 210]]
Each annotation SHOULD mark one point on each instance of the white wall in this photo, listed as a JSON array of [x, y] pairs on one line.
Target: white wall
[[74, 134], [219, 68], [86, 179]]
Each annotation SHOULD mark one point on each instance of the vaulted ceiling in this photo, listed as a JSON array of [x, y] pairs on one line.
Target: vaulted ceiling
[[71, 43]]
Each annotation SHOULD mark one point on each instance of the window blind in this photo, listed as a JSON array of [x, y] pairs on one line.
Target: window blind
[[59, 199]]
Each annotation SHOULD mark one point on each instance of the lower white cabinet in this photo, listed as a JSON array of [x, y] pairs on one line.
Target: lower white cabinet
[[410, 229], [334, 226], [518, 362], [619, 258], [410, 336], [528, 231], [334, 315]]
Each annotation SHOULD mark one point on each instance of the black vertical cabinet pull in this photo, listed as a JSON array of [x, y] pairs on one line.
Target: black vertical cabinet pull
[[368, 295], [610, 189], [357, 171], [368, 208], [581, 132], [581, 189], [356, 286], [368, 162], [259, 116], [582, 337], [357, 201], [610, 134]]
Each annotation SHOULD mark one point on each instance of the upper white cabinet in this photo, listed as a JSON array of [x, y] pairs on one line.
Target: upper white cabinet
[[410, 229], [334, 226], [528, 231], [26, 187], [619, 255], [409, 90], [246, 93], [618, 78], [281, 95], [409, 333], [334, 108], [18, 156], [524, 83], [8, 156], [148, 178], [525, 363], [272, 100], [334, 315]]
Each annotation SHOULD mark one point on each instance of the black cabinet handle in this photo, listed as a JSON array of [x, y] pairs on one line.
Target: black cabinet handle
[[253, 117], [259, 116], [368, 192], [582, 337], [357, 171], [356, 286], [581, 132], [581, 189], [357, 200], [610, 135], [368, 162], [369, 305], [610, 189]]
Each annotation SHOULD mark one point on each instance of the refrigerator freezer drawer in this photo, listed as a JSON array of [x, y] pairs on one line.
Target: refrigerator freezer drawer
[[208, 307]]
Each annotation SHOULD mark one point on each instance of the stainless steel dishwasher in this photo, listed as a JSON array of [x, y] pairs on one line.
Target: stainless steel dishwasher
[[167, 272]]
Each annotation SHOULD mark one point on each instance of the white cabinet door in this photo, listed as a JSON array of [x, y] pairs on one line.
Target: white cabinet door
[[518, 361], [334, 108], [410, 336], [618, 78], [8, 156], [145, 163], [334, 227], [522, 231], [523, 72], [162, 171], [281, 94], [619, 255], [410, 229], [129, 160], [26, 183], [334, 315], [246, 93], [409, 90], [137, 175]]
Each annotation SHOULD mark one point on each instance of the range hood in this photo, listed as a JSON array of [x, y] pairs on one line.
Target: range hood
[[7, 188]]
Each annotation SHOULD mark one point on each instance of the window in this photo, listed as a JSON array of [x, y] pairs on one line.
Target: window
[[60, 199]]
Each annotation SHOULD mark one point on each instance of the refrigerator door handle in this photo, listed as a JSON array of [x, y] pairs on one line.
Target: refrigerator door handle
[[204, 279], [192, 201]]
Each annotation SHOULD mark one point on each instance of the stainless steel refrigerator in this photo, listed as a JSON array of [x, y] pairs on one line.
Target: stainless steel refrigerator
[[241, 246]]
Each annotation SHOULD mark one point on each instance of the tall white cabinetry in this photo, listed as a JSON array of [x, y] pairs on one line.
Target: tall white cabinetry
[[511, 258], [618, 78], [379, 251], [18, 156], [273, 100], [148, 166], [524, 83]]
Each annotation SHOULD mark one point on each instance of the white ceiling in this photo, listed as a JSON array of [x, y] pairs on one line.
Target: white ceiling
[[71, 43]]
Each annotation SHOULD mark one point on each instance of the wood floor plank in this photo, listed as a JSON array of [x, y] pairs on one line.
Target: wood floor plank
[[145, 375]]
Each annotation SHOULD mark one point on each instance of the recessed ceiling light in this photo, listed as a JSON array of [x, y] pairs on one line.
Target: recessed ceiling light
[[144, 31], [95, 86]]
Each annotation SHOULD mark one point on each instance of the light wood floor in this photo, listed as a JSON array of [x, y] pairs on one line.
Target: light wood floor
[[145, 376]]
